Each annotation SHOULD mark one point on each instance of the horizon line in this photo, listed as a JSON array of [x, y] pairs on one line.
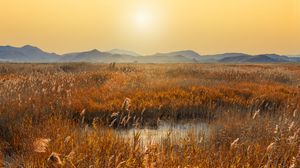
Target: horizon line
[[154, 53]]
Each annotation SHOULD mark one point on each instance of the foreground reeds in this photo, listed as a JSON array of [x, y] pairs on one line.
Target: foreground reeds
[[65, 115]]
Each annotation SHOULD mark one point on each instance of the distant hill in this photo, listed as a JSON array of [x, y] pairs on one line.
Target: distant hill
[[123, 52], [184, 53], [92, 55], [33, 54], [95, 56], [127, 56], [240, 58], [294, 59], [172, 57], [263, 58], [26, 54], [220, 57]]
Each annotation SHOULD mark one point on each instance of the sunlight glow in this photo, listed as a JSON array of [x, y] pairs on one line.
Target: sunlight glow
[[143, 19], [150, 26]]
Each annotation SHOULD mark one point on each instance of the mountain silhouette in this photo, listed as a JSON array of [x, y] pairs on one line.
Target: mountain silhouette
[[123, 52], [26, 53], [34, 54]]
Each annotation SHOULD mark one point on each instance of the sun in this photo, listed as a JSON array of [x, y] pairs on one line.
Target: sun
[[142, 23], [143, 19]]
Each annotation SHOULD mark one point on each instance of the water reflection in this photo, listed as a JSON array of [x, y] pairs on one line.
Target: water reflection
[[176, 131]]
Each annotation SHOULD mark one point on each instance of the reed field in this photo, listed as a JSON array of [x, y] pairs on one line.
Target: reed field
[[76, 114]]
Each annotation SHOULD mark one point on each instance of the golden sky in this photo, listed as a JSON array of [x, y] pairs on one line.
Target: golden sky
[[150, 26]]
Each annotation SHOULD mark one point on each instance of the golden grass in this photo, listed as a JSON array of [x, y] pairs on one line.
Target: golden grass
[[64, 115]]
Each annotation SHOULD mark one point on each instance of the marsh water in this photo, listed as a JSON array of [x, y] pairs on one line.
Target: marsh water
[[176, 131]]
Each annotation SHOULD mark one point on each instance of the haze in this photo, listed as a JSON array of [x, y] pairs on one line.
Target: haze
[[147, 27]]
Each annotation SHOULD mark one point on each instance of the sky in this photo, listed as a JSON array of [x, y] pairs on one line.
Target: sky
[[151, 26]]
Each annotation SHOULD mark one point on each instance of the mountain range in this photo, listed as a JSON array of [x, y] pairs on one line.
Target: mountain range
[[33, 54]]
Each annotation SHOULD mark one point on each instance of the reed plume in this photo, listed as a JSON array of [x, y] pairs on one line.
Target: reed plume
[[40, 145]]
